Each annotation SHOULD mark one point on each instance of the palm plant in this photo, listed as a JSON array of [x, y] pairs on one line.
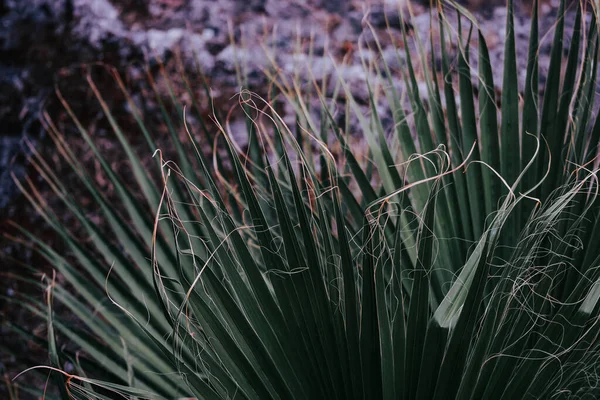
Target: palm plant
[[457, 258]]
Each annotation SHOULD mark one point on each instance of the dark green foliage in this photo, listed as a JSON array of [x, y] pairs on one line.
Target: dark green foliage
[[467, 272]]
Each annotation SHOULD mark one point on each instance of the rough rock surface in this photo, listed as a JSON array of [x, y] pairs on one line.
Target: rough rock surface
[[38, 37]]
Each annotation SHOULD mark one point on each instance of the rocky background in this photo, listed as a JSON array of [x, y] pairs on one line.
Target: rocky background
[[39, 39]]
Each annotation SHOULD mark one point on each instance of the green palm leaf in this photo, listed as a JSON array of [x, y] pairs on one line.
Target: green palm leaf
[[451, 255]]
